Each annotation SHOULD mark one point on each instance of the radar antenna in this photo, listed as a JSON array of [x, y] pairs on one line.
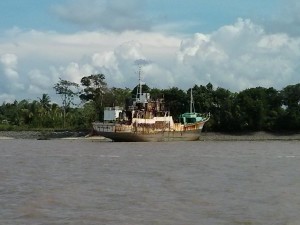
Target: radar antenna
[[139, 89]]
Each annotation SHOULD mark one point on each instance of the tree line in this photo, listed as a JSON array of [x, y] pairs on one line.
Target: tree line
[[253, 109]]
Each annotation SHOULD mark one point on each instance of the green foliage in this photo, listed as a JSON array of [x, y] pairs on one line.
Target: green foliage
[[116, 96], [145, 88], [290, 118], [45, 102], [67, 90], [176, 101], [94, 90], [222, 110], [156, 93], [253, 109]]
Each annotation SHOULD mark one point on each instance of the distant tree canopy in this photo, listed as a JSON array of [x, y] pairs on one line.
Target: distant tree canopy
[[68, 91], [253, 109], [94, 89]]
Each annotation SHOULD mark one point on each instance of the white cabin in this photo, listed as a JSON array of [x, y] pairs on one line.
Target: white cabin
[[112, 113]]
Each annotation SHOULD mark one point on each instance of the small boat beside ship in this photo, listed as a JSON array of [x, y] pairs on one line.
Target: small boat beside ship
[[147, 120]]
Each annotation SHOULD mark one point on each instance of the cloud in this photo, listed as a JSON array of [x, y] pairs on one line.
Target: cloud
[[286, 19], [9, 75], [291, 11], [75, 71], [118, 64], [141, 62], [236, 56], [240, 56], [9, 62], [41, 81], [43, 57], [116, 15], [7, 98]]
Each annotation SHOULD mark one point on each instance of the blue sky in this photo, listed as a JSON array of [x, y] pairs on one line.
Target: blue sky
[[207, 15], [235, 44]]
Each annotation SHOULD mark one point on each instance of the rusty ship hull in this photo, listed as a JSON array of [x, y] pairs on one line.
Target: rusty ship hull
[[157, 137], [146, 133]]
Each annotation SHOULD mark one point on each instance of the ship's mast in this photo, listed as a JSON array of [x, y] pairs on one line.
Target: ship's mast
[[192, 106], [139, 90], [140, 82]]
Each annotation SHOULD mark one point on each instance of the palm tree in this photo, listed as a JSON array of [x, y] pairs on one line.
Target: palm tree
[[43, 109], [45, 102]]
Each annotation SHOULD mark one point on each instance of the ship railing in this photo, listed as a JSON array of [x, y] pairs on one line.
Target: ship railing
[[113, 108]]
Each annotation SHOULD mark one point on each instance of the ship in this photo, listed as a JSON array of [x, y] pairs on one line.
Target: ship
[[145, 119]]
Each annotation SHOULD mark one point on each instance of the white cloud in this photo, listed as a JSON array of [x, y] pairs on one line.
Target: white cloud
[[9, 63], [159, 77], [35, 90], [74, 71], [118, 64], [9, 75], [72, 56], [7, 98], [286, 19], [39, 79], [9, 60], [235, 57], [291, 11], [240, 56]]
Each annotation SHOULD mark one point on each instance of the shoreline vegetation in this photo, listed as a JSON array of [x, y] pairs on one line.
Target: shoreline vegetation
[[236, 115], [205, 136]]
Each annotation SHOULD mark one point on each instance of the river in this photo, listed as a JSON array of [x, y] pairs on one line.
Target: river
[[181, 183]]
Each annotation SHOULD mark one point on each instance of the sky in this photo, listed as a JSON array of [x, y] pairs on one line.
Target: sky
[[233, 44]]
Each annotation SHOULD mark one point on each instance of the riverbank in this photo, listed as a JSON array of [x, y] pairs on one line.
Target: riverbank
[[42, 135], [205, 136]]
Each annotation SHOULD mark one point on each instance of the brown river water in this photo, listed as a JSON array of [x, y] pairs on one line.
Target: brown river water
[[207, 183]]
